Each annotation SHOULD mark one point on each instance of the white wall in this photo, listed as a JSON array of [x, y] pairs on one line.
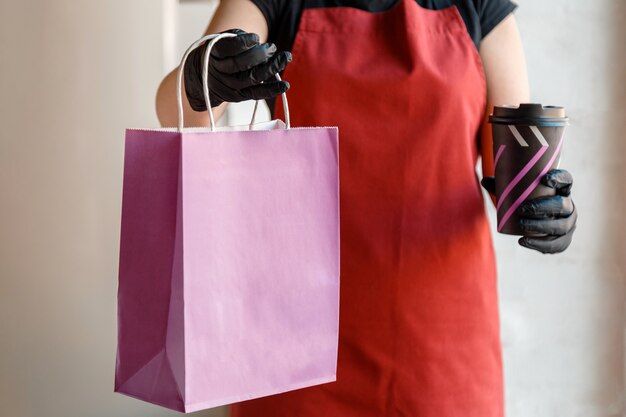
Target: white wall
[[74, 74], [563, 316]]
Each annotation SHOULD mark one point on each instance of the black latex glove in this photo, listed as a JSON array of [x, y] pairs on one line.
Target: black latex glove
[[239, 69], [554, 216]]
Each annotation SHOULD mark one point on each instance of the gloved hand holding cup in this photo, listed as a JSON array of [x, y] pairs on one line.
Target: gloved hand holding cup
[[532, 195]]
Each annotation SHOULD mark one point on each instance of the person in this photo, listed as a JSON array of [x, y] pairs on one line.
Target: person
[[409, 84]]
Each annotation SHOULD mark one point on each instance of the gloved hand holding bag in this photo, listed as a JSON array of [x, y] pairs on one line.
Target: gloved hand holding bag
[[240, 69]]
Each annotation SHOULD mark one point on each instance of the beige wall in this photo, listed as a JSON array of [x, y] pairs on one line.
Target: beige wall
[[74, 74]]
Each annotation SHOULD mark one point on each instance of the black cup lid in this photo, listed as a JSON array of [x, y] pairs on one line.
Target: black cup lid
[[529, 114]]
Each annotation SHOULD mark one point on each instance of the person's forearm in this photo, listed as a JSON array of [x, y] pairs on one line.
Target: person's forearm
[[167, 110], [503, 60], [243, 14]]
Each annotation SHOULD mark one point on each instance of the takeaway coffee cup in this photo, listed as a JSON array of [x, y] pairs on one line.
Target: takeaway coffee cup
[[527, 143]]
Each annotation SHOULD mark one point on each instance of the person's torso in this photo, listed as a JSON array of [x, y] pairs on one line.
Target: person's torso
[[418, 306]]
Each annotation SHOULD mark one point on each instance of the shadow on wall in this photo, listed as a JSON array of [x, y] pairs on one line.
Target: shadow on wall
[[614, 147], [612, 150], [618, 181]]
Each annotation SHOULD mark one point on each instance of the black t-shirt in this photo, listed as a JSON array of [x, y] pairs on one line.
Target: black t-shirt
[[283, 16]]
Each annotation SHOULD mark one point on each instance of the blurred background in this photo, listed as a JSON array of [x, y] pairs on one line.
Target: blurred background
[[74, 74]]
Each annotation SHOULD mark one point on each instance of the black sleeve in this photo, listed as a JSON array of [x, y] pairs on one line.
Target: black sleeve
[[270, 9], [492, 12], [280, 16]]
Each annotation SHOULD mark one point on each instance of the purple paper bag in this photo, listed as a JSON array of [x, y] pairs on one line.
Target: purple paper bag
[[229, 264]]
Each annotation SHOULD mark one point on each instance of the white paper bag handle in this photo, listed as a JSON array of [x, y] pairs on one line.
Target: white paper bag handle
[[179, 81]]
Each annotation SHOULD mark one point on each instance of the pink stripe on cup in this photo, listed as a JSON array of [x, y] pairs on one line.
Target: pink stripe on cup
[[531, 187], [521, 175], [498, 155]]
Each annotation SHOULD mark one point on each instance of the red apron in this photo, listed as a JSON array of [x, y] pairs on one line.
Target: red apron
[[419, 327]]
